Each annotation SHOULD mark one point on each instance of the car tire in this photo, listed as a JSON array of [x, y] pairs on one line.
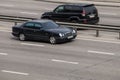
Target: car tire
[[22, 37], [52, 40], [74, 21]]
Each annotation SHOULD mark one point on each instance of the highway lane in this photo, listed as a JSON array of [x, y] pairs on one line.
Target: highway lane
[[27, 8], [30, 8], [81, 59]]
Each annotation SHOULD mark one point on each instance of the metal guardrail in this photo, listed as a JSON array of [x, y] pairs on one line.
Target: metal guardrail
[[15, 18], [97, 27]]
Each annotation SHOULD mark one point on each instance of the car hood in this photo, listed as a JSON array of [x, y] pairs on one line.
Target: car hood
[[60, 30]]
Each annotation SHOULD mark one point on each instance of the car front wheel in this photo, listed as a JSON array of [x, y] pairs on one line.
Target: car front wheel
[[52, 40], [22, 37]]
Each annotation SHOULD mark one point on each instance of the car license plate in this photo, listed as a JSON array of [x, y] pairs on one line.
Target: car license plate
[[91, 16], [70, 37]]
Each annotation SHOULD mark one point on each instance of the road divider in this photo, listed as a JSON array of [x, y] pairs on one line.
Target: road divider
[[15, 19], [96, 27]]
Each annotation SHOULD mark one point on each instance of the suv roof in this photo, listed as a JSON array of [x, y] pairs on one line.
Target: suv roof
[[80, 4]]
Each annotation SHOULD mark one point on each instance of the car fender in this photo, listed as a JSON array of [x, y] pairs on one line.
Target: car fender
[[46, 16]]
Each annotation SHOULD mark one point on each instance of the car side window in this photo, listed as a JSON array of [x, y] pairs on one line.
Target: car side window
[[77, 9], [68, 9], [59, 9], [73, 9], [38, 26], [29, 25]]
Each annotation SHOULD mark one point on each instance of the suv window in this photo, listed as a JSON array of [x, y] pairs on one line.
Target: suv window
[[59, 9], [73, 9], [90, 9]]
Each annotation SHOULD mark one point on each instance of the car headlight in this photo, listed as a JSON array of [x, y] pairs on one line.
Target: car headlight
[[61, 35], [73, 31]]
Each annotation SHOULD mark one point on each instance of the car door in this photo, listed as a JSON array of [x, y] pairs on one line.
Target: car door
[[73, 12], [39, 32], [58, 13], [28, 29]]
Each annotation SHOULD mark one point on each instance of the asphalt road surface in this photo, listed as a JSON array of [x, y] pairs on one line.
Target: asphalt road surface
[[32, 8], [80, 59]]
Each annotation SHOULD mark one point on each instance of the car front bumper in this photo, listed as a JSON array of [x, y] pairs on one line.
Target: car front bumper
[[63, 39]]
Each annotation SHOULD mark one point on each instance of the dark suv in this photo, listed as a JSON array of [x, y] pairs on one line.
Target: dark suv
[[80, 13]]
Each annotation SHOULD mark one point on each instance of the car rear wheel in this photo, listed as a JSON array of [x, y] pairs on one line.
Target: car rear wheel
[[52, 40], [74, 21], [22, 37]]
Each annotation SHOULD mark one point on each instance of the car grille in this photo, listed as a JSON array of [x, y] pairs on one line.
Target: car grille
[[68, 34]]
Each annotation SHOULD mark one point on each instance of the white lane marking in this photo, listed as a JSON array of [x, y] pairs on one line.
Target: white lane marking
[[99, 40], [31, 13], [98, 52], [5, 31], [28, 44], [14, 72], [113, 14], [62, 61], [4, 54], [7, 5]]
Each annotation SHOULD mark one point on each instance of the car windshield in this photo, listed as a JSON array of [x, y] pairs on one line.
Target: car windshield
[[50, 25]]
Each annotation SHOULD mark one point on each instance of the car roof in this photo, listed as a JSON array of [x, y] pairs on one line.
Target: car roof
[[40, 21], [79, 4]]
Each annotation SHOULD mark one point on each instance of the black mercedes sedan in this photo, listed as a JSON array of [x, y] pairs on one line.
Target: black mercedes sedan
[[45, 30]]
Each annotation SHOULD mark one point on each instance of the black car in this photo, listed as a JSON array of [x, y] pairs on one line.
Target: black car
[[80, 13], [46, 30]]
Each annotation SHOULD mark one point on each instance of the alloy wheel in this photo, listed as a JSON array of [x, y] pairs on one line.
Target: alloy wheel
[[52, 40], [22, 37]]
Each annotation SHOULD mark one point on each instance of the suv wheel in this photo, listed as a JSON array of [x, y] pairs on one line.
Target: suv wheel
[[52, 40], [22, 37], [74, 21]]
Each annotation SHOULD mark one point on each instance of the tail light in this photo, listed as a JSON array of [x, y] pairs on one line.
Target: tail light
[[83, 13]]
